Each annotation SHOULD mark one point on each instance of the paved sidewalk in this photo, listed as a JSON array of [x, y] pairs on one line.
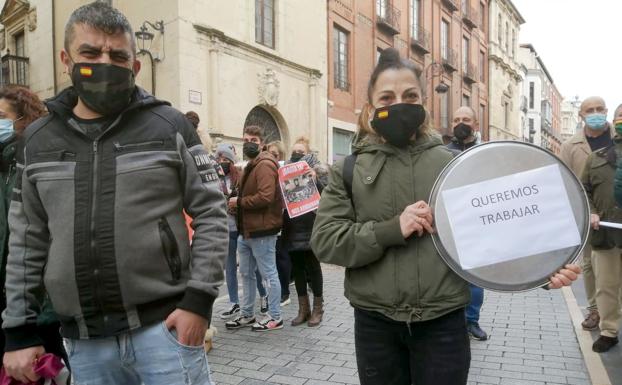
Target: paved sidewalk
[[532, 342]]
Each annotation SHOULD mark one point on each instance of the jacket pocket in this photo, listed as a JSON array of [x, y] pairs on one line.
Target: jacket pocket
[[138, 146], [170, 249], [56, 155]]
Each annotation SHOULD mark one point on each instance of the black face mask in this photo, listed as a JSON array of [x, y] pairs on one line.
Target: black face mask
[[250, 150], [296, 156], [226, 167], [462, 131], [104, 88], [398, 123]]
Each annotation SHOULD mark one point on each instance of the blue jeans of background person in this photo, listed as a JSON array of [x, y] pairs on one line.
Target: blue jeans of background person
[[231, 271], [259, 253], [474, 307], [150, 355], [435, 352]]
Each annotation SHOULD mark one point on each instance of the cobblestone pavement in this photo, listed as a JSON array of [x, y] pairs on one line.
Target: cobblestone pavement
[[532, 342]]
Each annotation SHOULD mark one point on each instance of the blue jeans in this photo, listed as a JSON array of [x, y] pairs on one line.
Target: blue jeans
[[477, 299], [259, 253], [150, 355], [231, 271]]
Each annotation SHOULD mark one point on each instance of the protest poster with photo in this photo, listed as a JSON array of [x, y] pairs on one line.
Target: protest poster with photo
[[300, 192]]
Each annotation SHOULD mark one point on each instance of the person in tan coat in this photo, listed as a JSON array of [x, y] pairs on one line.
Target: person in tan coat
[[574, 153]]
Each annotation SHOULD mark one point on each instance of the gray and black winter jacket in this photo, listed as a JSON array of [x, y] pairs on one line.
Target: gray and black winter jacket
[[100, 223]]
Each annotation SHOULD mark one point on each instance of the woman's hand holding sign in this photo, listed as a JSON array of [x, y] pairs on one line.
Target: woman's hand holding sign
[[416, 218]]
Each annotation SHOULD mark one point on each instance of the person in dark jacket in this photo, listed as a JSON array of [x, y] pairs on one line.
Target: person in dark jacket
[[296, 238], [18, 108], [465, 136], [283, 261], [409, 320], [97, 221]]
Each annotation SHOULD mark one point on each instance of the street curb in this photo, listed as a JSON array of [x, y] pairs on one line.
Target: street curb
[[593, 362]]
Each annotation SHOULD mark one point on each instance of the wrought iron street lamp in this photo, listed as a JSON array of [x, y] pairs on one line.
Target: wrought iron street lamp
[[144, 38]]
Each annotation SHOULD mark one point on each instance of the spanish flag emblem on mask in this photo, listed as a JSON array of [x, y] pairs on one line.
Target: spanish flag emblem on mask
[[86, 71]]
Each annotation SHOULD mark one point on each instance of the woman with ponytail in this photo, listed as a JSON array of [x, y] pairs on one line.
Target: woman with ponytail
[[409, 306]]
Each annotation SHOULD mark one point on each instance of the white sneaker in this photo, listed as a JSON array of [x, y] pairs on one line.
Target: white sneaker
[[233, 311], [240, 322]]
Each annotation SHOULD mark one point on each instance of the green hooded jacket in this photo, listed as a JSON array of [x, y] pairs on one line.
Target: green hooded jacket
[[598, 181], [403, 279]]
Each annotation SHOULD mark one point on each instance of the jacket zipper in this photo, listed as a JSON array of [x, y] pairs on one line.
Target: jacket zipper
[[94, 261], [8, 175], [412, 172]]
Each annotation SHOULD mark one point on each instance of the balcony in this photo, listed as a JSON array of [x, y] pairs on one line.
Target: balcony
[[450, 59], [341, 84], [469, 73], [14, 71], [470, 16], [420, 40], [387, 17], [452, 5]]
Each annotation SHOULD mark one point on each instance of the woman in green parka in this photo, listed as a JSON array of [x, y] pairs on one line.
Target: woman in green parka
[[409, 319], [18, 108]]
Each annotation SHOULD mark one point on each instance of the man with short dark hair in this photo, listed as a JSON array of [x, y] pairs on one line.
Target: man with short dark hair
[[97, 217], [260, 218], [465, 136]]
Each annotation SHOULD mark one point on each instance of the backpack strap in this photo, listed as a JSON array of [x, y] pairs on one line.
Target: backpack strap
[[348, 174]]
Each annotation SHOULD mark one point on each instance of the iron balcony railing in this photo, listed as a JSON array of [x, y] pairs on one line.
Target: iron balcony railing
[[452, 5], [470, 73], [420, 39], [387, 17], [341, 83], [14, 71], [449, 58], [470, 16]]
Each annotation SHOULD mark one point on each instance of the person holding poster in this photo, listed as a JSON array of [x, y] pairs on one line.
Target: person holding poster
[[598, 180], [296, 237], [465, 128], [409, 318]]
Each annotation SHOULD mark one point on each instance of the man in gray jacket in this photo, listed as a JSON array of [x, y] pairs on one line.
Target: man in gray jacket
[[97, 217]]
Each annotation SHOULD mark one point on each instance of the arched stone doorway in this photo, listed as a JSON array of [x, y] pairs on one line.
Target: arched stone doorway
[[270, 121]]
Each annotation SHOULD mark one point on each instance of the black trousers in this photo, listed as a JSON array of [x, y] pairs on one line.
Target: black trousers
[[435, 352], [283, 266], [307, 269]]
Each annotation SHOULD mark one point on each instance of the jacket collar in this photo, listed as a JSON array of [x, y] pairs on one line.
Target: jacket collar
[[372, 143], [63, 103]]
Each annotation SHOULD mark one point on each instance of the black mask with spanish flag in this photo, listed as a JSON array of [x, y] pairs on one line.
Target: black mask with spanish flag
[[399, 122], [104, 88]]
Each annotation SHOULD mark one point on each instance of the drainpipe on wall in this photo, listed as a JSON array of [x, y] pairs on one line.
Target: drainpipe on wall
[[54, 47]]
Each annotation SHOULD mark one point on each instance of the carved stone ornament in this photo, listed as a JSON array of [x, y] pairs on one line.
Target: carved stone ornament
[[2, 39], [32, 19], [268, 88]]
